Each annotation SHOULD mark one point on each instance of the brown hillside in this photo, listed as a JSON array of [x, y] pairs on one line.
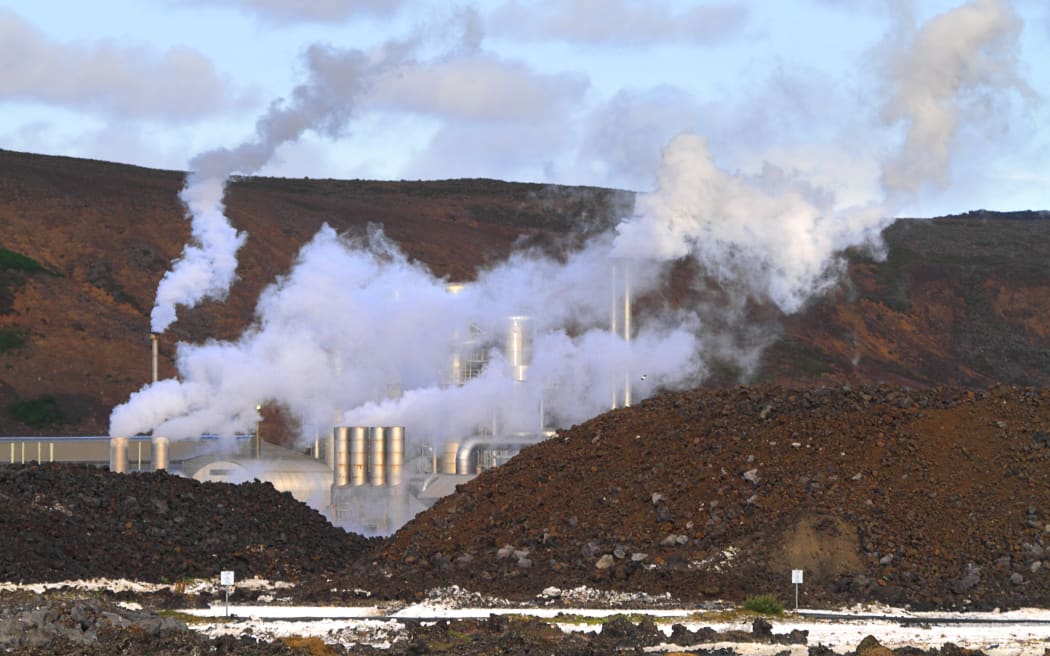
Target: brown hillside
[[960, 301], [106, 234]]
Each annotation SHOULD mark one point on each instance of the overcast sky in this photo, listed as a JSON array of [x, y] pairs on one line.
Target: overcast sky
[[573, 92]]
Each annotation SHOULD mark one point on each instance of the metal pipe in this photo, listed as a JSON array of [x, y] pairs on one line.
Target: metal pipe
[[358, 455], [627, 330], [467, 447], [519, 347], [118, 455], [160, 453], [341, 471], [153, 338], [376, 453], [395, 454], [448, 459]]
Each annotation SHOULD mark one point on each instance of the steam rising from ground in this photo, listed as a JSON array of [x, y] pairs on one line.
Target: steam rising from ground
[[357, 334]]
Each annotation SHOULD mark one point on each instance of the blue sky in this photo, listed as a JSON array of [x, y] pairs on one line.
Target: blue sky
[[573, 92]]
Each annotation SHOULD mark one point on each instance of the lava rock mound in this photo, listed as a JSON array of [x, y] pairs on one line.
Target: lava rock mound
[[934, 498], [61, 522]]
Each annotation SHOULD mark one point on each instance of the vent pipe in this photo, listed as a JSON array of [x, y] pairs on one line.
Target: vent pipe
[[519, 347], [153, 337], [620, 322]]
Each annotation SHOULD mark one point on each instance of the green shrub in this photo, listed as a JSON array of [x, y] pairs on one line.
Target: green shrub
[[39, 412], [17, 262], [766, 604], [11, 338]]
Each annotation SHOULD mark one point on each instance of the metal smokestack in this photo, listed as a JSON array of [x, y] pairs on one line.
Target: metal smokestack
[[519, 347], [620, 321], [153, 338]]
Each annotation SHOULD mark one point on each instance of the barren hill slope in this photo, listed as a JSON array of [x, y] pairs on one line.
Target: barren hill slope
[[961, 300]]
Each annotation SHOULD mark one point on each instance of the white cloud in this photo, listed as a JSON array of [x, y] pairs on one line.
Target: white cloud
[[115, 81], [479, 87], [523, 152], [308, 11], [617, 22]]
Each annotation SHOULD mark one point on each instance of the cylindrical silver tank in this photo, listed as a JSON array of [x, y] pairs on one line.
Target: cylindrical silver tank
[[448, 458], [118, 454], [358, 455], [376, 456], [341, 471], [395, 454], [519, 346], [160, 453]]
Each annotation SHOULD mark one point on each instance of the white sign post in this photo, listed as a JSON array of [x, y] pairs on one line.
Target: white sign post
[[226, 580], [796, 578]]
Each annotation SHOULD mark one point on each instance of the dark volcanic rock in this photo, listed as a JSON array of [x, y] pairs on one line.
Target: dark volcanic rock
[[61, 522]]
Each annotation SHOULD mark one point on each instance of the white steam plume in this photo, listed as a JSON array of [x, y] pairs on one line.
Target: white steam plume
[[355, 318], [782, 236], [961, 55], [324, 103]]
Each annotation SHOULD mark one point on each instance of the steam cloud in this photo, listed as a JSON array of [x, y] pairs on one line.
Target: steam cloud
[[325, 103], [355, 319]]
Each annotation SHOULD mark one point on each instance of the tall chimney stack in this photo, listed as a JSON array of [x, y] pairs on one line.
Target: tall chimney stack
[[153, 338]]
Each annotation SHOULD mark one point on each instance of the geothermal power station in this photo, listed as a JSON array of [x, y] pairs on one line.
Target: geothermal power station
[[369, 478]]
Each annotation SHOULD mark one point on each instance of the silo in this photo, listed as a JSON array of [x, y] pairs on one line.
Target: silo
[[341, 471], [376, 456], [358, 455], [395, 454]]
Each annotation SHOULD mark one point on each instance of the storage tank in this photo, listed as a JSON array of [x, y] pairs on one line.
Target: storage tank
[[118, 454], [160, 453], [376, 456], [341, 471], [395, 454], [358, 455]]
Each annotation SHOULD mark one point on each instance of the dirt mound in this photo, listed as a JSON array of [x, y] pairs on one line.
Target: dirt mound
[[932, 498], [60, 522]]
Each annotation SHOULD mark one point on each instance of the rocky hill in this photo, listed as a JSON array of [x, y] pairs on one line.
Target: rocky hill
[[959, 301]]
